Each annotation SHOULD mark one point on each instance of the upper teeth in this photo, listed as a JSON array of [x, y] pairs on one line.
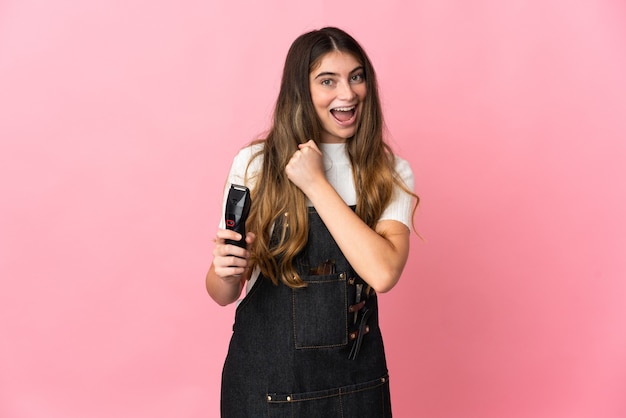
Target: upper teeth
[[344, 109]]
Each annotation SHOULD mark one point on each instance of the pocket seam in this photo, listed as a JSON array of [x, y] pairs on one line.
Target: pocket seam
[[336, 392]]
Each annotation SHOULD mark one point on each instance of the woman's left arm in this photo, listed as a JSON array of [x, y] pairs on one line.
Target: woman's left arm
[[377, 255]]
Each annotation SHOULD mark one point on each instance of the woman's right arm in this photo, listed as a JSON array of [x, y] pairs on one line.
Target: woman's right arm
[[229, 268]]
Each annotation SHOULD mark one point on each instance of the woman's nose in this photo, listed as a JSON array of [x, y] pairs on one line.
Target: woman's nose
[[346, 91]]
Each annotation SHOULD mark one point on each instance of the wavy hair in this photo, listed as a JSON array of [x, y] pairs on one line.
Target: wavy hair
[[278, 203]]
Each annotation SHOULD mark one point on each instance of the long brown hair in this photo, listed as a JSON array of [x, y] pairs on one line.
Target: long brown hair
[[278, 203]]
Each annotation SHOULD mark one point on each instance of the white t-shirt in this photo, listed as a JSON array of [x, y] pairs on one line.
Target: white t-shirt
[[339, 175]]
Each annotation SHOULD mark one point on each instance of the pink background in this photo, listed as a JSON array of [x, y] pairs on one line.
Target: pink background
[[119, 120]]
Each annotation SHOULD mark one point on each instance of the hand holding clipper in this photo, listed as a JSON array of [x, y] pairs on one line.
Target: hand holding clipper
[[236, 213]]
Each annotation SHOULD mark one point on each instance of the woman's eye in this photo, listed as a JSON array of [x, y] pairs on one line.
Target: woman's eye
[[327, 82], [357, 78]]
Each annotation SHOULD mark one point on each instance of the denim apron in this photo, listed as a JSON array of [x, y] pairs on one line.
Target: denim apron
[[310, 352]]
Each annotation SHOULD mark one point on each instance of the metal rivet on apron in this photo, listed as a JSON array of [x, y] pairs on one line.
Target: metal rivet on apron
[[351, 281], [288, 398], [342, 276], [382, 380], [269, 398]]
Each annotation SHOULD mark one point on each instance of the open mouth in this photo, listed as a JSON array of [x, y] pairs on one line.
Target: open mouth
[[344, 115]]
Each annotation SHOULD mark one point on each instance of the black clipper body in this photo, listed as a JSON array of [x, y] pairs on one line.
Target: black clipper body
[[236, 213]]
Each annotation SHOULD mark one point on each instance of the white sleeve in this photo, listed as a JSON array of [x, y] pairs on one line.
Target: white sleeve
[[401, 206]]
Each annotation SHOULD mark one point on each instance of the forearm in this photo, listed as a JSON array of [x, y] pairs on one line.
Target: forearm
[[223, 291], [379, 260]]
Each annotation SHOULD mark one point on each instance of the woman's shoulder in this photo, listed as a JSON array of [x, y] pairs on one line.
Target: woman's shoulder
[[246, 164], [246, 153]]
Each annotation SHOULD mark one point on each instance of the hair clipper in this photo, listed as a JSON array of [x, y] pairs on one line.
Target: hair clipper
[[236, 213]]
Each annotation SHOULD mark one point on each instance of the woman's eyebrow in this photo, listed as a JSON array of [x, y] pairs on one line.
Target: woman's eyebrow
[[359, 68], [326, 74], [331, 74]]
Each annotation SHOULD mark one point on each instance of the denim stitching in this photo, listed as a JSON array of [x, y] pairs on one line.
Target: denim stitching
[[340, 403], [378, 383]]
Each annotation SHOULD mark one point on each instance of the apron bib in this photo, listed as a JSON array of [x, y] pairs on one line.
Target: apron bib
[[310, 352]]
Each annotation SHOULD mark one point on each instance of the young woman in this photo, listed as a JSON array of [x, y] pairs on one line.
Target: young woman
[[329, 228]]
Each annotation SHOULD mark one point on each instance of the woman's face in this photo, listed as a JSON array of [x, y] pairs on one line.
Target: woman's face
[[338, 89]]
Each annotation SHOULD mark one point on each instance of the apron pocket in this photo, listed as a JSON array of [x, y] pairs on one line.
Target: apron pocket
[[363, 400], [320, 314]]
